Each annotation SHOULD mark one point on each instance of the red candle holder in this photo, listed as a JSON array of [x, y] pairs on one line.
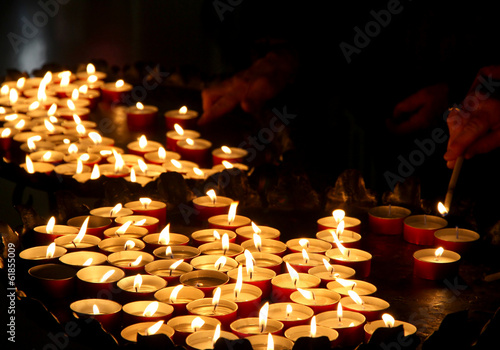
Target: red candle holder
[[222, 222], [163, 269], [216, 248], [372, 308], [184, 117], [137, 311], [125, 232], [156, 209], [110, 212], [115, 92], [150, 223], [130, 261], [248, 299], [331, 274], [357, 259], [230, 154], [284, 286], [426, 265], [318, 299], [185, 295], [349, 326], [459, 240], [53, 281], [226, 311], [313, 245], [44, 235], [153, 241], [83, 258], [136, 148], [173, 137], [98, 281], [130, 333], [130, 291], [298, 315], [203, 236], [246, 233], [203, 340], [39, 255], [371, 327], [195, 150], [96, 225], [329, 222], [205, 280], [182, 326], [119, 244], [264, 260], [359, 287], [140, 117], [260, 277], [184, 252], [88, 242], [347, 238], [387, 219], [107, 312], [207, 208], [248, 326], [302, 264], [269, 246], [209, 262], [420, 229]]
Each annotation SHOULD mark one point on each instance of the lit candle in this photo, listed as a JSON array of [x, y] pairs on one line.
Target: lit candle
[[264, 245], [231, 154], [357, 259], [331, 222], [161, 156], [131, 261], [229, 221], [143, 146], [388, 321], [261, 260], [169, 270], [205, 280], [148, 207], [146, 329], [46, 234], [331, 272], [214, 262], [347, 238], [37, 167], [98, 281], [107, 312], [318, 299], [183, 116], [303, 262], [78, 241], [435, 264], [150, 223], [311, 331], [90, 71], [222, 247], [203, 340], [185, 252], [270, 342], [185, 325], [370, 307], [118, 244], [140, 287], [95, 225], [178, 133], [115, 92], [286, 283], [245, 327], [111, 212], [180, 166], [42, 254], [179, 296], [211, 205], [343, 286], [200, 237], [126, 230], [265, 232], [195, 150], [221, 309], [290, 314], [146, 311]]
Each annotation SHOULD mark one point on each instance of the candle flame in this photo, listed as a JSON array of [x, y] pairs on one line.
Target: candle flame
[[71, 104], [133, 178], [123, 228], [129, 245], [239, 282], [83, 230], [95, 173], [227, 164], [50, 225], [92, 79], [95, 137], [183, 110], [140, 222], [34, 105], [145, 202], [162, 153], [257, 242], [225, 243], [216, 335], [21, 124], [340, 228], [51, 249], [84, 157], [305, 256], [106, 276], [306, 294], [442, 209], [72, 149], [176, 264], [47, 78], [30, 168], [164, 237], [289, 310], [219, 264], [256, 229], [354, 296], [150, 310], [216, 297], [65, 78], [4, 91], [197, 323], [138, 281], [154, 328], [115, 210], [49, 126], [137, 261], [90, 68], [346, 283], [79, 167], [438, 253], [75, 94], [216, 235], [211, 194], [263, 312], [178, 129], [198, 171], [232, 212], [338, 215], [304, 243], [139, 106], [143, 142], [189, 141], [168, 252], [174, 293], [249, 262], [88, 262], [313, 327], [176, 163], [340, 312], [95, 310], [270, 342], [6, 133], [142, 165], [13, 96], [226, 150], [119, 83], [388, 320], [84, 88], [20, 82], [328, 266], [81, 130], [293, 274], [77, 119], [31, 141]]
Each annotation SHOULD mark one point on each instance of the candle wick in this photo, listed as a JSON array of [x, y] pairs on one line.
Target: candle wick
[[170, 272], [457, 232], [74, 243], [136, 289], [215, 307], [353, 285], [251, 275], [262, 328]]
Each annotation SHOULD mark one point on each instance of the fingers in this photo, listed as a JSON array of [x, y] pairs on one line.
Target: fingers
[[463, 136]]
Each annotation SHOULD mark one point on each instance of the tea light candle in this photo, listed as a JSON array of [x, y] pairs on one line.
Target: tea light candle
[[370, 307], [263, 260], [52, 157], [214, 262], [200, 237], [130, 333], [107, 312], [257, 276], [68, 113], [149, 207], [90, 71], [164, 238], [290, 314], [143, 146], [75, 242], [311, 245], [357, 259], [286, 283], [180, 166], [150, 223], [195, 150], [302, 262], [459, 240], [71, 169], [388, 321], [42, 254], [185, 325], [205, 280], [146, 311], [161, 156], [169, 270], [37, 167], [223, 310], [343, 286], [184, 117], [131, 261], [118, 244], [264, 245], [229, 221], [265, 232], [179, 134], [115, 92], [140, 287], [420, 229], [219, 248], [318, 299], [53, 281], [330, 272], [277, 342], [311, 331], [126, 230], [111, 212], [204, 340], [186, 253], [348, 324], [83, 258], [46, 234], [231, 154], [246, 296], [211, 205], [348, 238], [338, 215], [140, 116], [98, 281], [248, 326], [387, 219], [435, 264], [6, 135], [179, 296], [95, 226]]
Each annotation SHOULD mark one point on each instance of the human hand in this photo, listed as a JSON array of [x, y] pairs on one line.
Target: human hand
[[423, 107], [249, 89]]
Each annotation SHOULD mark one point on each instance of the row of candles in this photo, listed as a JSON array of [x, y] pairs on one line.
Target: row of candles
[[223, 273]]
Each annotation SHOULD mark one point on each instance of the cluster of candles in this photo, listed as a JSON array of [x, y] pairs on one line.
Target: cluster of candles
[[48, 120]]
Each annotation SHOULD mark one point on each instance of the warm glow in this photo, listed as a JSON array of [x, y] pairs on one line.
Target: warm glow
[[313, 327], [354, 296], [306, 294], [137, 281], [150, 310], [129, 245], [176, 163], [176, 264], [49, 126], [197, 323], [154, 328], [225, 243], [293, 274], [340, 312], [232, 212], [106, 276], [95, 310], [162, 153], [51, 249], [438, 253], [270, 342], [143, 142], [264, 310], [340, 228], [92, 79], [6, 132], [140, 222], [84, 157], [84, 88], [83, 230], [219, 263], [175, 292], [289, 310], [119, 162], [20, 124], [442, 209], [47, 78], [216, 335], [211, 194], [95, 137], [11, 117], [305, 256], [183, 110], [90, 68], [142, 165], [4, 91], [328, 266], [346, 283], [79, 167], [119, 83], [46, 156], [388, 320], [338, 215], [164, 237], [73, 148], [179, 129], [30, 168], [216, 297], [20, 82], [34, 105], [87, 262], [50, 225], [256, 228], [216, 235], [249, 262], [71, 105], [239, 282], [95, 173], [132, 175], [115, 210], [198, 171], [343, 250], [13, 96], [139, 105], [257, 242], [75, 94], [168, 252], [123, 228], [65, 78], [227, 164], [304, 243], [226, 150]]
